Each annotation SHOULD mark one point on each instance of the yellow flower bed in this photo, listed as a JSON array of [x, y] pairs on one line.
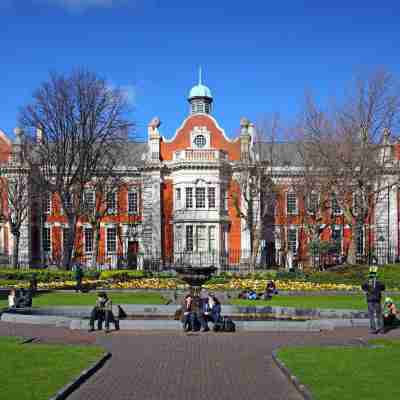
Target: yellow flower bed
[[260, 284], [236, 284], [145, 283]]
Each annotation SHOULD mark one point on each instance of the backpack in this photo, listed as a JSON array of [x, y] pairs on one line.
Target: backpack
[[228, 325], [121, 313], [218, 326]]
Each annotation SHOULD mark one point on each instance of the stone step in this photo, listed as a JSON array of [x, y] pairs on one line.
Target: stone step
[[280, 326]]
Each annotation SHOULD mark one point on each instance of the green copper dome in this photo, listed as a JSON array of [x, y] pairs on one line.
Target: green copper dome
[[200, 91]]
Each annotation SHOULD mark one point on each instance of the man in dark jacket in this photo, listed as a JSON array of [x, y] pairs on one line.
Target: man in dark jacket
[[102, 311], [373, 290], [188, 316], [78, 275]]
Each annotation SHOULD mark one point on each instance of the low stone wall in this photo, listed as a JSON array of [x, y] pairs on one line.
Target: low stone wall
[[233, 311], [277, 326]]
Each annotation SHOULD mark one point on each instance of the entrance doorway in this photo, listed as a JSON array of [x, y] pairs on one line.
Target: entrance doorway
[[133, 248]]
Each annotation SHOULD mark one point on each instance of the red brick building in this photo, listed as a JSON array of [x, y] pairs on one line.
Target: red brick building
[[178, 201]]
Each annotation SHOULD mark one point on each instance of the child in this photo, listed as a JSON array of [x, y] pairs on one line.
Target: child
[[389, 312]]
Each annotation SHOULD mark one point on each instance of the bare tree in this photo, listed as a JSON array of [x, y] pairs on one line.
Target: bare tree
[[347, 148], [15, 187], [81, 122], [255, 201], [96, 205]]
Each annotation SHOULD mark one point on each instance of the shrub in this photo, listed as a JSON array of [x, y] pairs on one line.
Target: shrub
[[218, 279], [121, 275], [164, 275], [43, 275]]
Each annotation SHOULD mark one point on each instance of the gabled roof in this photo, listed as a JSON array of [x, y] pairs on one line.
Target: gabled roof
[[280, 154]]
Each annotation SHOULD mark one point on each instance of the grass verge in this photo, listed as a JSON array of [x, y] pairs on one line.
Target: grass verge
[[347, 302], [38, 371], [89, 299], [347, 373]]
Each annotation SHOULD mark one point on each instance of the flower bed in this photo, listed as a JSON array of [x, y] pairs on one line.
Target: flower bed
[[260, 284], [144, 283], [234, 284]]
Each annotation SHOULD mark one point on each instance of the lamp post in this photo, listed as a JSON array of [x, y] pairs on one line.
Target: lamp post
[[388, 224]]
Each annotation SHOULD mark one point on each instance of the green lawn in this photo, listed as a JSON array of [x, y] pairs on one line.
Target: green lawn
[[38, 371], [356, 302], [88, 299], [347, 373]]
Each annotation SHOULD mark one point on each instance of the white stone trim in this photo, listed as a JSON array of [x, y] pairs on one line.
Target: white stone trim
[[194, 116]]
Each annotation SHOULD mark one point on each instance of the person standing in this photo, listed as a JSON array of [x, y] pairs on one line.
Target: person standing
[[78, 276], [373, 289], [12, 299]]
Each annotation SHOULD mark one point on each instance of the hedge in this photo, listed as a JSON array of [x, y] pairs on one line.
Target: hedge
[[122, 275], [42, 275]]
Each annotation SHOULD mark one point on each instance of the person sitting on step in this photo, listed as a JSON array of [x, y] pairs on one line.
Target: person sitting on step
[[103, 312], [211, 312], [389, 313], [188, 317]]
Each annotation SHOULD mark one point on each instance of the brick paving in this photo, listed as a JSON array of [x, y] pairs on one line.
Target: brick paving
[[199, 366]]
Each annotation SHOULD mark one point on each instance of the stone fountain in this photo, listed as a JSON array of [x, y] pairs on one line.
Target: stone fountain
[[195, 276]]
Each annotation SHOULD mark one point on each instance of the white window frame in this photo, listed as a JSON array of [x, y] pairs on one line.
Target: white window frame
[[334, 211], [338, 228], [108, 251], [90, 206], [189, 238], [49, 250], [47, 203], [88, 242], [135, 194], [178, 198], [212, 191], [309, 203], [189, 198], [114, 202], [296, 209], [212, 238], [201, 238], [178, 238], [296, 230], [355, 209], [200, 197]]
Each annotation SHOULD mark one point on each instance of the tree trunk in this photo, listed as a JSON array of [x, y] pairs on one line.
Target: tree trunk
[[68, 252], [15, 253], [352, 253], [254, 250], [96, 240]]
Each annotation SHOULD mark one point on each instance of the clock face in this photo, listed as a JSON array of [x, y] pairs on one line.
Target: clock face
[[200, 141]]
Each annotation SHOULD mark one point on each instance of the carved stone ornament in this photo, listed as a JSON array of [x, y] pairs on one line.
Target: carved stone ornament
[[155, 123], [244, 122]]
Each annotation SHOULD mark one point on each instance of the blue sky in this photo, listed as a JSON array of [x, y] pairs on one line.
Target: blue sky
[[258, 57]]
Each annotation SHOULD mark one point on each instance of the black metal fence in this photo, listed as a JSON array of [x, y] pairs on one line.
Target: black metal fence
[[240, 261]]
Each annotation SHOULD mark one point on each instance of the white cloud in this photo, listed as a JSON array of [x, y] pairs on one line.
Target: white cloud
[[128, 90]]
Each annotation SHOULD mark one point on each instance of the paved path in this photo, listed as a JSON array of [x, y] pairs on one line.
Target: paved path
[[165, 365]]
